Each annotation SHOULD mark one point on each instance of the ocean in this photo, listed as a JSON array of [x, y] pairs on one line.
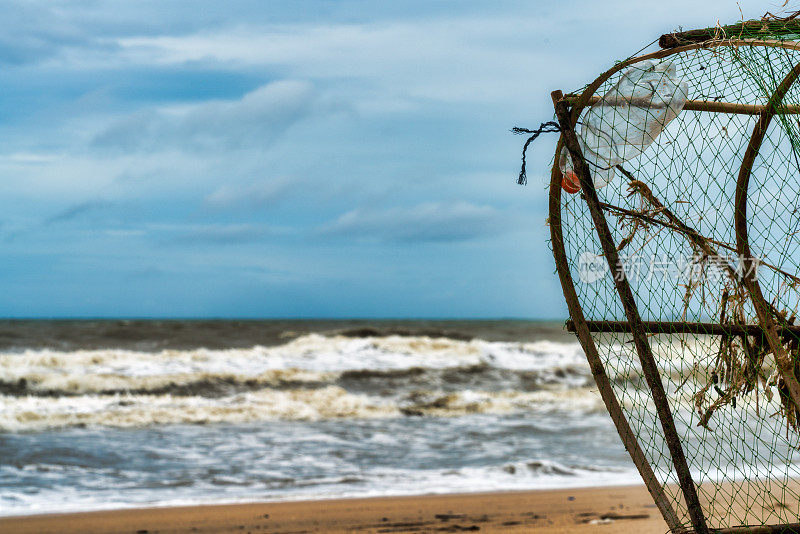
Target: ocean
[[111, 414]]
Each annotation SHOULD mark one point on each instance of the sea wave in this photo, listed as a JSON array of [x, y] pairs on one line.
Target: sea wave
[[309, 361], [30, 413], [312, 377]]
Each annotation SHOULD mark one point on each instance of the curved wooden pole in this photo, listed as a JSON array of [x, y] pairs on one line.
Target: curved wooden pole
[[579, 326], [649, 367], [749, 264], [590, 90]]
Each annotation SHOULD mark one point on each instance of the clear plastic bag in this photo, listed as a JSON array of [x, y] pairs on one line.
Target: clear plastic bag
[[623, 123]]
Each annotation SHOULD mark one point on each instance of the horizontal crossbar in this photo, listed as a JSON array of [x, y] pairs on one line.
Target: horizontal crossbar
[[699, 105], [789, 528], [680, 327]]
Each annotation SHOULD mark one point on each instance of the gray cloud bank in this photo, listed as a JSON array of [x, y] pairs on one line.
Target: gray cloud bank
[[433, 221], [255, 120]]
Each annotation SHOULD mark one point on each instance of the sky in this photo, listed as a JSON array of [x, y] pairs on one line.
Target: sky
[[346, 158]]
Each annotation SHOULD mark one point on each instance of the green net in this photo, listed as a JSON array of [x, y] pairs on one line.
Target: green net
[[671, 212]]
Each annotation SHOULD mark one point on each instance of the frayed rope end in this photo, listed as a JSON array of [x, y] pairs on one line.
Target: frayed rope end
[[545, 127]]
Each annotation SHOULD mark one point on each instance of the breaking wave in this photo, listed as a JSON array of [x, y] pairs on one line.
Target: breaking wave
[[311, 377], [133, 410]]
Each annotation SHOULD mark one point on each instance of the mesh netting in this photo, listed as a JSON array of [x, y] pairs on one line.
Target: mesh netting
[[671, 212]]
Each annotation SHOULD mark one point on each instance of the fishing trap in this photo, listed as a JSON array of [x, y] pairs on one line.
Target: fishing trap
[[682, 274]]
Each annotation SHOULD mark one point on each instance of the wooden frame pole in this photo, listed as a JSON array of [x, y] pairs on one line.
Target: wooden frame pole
[[626, 434], [649, 367], [751, 28], [750, 277]]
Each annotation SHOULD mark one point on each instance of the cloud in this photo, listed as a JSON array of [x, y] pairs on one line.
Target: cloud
[[30, 33], [227, 234], [255, 120], [468, 57], [441, 59], [459, 221], [163, 108], [255, 194], [77, 210]]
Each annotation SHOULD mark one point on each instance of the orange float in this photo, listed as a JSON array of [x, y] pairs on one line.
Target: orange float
[[570, 182]]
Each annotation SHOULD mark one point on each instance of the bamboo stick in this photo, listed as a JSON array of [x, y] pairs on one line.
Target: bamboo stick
[[683, 327], [751, 29], [693, 105], [789, 528]]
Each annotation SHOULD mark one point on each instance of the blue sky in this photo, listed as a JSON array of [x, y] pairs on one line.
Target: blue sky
[[292, 159]]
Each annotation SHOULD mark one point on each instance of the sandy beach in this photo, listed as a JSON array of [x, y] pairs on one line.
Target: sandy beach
[[614, 509]]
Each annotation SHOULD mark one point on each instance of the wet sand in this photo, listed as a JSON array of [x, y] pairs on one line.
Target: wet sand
[[586, 510]]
